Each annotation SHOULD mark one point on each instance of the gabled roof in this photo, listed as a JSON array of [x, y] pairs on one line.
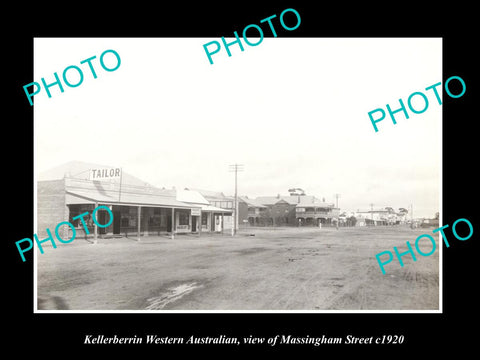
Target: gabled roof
[[196, 199], [211, 195], [81, 170], [251, 202], [190, 196], [131, 190], [268, 200]]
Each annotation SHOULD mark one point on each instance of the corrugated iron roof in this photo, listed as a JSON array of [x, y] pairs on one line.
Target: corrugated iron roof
[[251, 202], [209, 194], [191, 196], [93, 195], [215, 209], [81, 170], [268, 200]]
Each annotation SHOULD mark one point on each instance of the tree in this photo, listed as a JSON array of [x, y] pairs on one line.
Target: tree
[[296, 192]]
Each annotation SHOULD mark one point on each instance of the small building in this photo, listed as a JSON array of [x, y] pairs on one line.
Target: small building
[[426, 222], [218, 200], [380, 217], [210, 218]]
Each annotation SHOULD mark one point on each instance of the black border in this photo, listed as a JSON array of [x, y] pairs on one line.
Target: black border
[[424, 333]]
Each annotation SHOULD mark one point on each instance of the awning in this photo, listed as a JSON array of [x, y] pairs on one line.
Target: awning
[[215, 209], [90, 196]]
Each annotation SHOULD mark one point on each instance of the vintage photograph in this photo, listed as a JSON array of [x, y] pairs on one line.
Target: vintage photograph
[[266, 181]]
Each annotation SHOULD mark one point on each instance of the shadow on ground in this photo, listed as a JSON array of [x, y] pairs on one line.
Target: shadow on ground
[[52, 303]]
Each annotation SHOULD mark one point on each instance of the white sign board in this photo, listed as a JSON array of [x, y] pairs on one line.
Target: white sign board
[[195, 211], [105, 173]]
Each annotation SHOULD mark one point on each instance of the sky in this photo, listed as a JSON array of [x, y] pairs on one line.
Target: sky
[[293, 111]]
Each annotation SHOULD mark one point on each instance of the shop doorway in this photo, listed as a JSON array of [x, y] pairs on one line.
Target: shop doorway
[[117, 219], [194, 224], [169, 224]]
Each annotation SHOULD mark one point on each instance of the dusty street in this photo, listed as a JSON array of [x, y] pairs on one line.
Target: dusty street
[[277, 269]]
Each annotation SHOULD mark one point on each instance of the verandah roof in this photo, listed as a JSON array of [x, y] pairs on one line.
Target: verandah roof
[[80, 196], [89, 197], [215, 209]]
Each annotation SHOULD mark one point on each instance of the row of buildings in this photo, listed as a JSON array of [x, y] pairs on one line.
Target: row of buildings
[[142, 209], [376, 217], [290, 210]]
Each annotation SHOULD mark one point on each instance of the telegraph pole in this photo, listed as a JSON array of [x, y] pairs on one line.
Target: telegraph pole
[[235, 168], [336, 198], [120, 185]]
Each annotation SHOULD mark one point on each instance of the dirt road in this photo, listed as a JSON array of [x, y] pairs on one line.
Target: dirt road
[[282, 269]]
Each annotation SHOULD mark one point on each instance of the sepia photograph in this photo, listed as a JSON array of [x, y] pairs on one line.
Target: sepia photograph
[[296, 175]]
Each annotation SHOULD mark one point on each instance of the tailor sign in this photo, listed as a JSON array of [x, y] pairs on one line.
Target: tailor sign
[[105, 173]]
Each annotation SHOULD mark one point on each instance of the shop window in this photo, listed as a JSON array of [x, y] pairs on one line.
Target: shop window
[[183, 218], [76, 210]]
